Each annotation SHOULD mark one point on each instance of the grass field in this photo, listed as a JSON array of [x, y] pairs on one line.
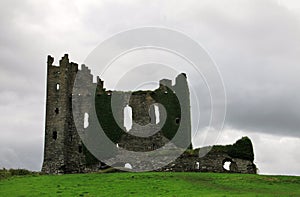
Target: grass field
[[150, 184]]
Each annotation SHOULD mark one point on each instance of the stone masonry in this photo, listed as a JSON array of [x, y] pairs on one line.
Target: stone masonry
[[64, 151]]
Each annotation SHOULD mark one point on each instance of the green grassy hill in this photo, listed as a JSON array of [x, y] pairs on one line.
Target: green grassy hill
[[150, 184]]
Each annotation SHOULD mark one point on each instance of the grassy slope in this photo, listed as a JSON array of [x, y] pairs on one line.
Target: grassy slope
[[151, 184]]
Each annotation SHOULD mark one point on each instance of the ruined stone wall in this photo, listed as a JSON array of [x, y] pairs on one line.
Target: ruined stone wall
[[64, 151], [212, 159], [212, 162]]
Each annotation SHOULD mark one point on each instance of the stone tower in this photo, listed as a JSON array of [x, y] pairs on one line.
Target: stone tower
[[63, 149]]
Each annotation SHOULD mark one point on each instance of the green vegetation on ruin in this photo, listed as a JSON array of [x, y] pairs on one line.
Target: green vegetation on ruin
[[112, 129], [242, 149], [106, 118], [172, 106], [150, 184]]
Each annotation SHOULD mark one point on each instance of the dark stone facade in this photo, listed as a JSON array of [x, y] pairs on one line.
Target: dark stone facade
[[64, 151], [212, 159], [62, 143]]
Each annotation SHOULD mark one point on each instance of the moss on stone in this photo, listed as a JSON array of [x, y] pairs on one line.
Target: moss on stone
[[112, 129], [242, 149], [172, 106], [90, 159], [106, 118]]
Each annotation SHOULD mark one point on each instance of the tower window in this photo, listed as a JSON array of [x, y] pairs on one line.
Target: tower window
[[156, 111], [86, 120], [80, 149], [127, 117], [54, 135], [57, 86], [56, 110]]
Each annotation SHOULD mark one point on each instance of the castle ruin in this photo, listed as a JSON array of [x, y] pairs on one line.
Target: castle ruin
[[64, 151]]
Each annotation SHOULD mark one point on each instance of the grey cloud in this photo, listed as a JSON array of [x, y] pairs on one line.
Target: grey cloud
[[256, 45]]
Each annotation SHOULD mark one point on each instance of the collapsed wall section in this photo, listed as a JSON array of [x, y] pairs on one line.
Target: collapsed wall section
[[212, 159]]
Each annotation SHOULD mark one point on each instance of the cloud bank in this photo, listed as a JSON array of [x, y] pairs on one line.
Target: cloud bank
[[255, 44]]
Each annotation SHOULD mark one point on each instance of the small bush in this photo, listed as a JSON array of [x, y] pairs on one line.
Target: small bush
[[19, 172], [4, 173]]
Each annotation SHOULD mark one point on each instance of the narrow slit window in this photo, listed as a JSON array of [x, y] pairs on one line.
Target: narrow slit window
[[54, 135], [80, 149], [86, 120], [57, 86], [56, 110], [156, 111], [128, 117]]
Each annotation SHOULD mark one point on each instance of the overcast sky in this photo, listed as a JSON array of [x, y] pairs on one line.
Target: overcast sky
[[255, 43]]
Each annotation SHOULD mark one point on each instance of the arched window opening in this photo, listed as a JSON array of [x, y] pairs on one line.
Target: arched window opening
[[128, 165], [128, 117], [57, 86], [226, 165], [229, 165]]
